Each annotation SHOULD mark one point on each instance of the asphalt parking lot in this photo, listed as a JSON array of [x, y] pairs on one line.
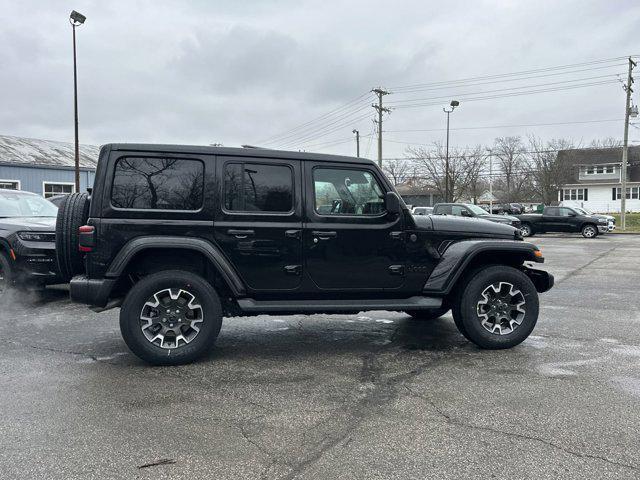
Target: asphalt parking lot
[[375, 396]]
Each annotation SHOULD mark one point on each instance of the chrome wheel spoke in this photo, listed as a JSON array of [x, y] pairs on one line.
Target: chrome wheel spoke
[[501, 308], [170, 318]]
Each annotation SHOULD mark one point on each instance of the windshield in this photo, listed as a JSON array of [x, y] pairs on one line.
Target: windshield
[[26, 206], [582, 211], [477, 210]]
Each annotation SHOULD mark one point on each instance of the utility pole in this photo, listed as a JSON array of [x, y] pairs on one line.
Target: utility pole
[[452, 106], [357, 132], [490, 182], [380, 109], [76, 19], [625, 146]]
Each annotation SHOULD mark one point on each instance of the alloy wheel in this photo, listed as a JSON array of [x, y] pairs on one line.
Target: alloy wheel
[[501, 308], [525, 230], [170, 318], [589, 232]]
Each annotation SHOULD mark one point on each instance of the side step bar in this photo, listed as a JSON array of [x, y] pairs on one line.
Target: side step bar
[[250, 305]]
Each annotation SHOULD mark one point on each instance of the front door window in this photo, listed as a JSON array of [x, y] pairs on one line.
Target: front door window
[[347, 192]]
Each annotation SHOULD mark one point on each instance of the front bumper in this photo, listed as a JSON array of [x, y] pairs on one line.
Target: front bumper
[[542, 280], [603, 228], [35, 262]]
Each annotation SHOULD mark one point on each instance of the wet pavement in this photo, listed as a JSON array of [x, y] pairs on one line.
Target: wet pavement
[[369, 396]]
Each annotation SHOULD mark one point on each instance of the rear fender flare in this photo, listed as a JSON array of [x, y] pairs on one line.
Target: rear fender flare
[[460, 254], [208, 249]]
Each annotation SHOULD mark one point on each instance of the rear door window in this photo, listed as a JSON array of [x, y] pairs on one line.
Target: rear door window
[[257, 187], [152, 183]]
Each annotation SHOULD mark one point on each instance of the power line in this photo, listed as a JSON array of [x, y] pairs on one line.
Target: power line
[[518, 79], [321, 117], [513, 94], [507, 126], [523, 72], [345, 122], [393, 103]]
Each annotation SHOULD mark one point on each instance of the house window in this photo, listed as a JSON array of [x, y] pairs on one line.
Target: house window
[[609, 169], [590, 171], [600, 169], [574, 194], [632, 193], [52, 189], [9, 184]]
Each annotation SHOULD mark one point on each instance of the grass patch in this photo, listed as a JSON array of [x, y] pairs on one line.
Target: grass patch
[[633, 223]]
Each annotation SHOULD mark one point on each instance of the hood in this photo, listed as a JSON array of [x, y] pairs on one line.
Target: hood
[[40, 224], [598, 215], [451, 223], [499, 218]]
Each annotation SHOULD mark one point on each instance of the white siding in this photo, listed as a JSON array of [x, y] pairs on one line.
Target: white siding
[[601, 199]]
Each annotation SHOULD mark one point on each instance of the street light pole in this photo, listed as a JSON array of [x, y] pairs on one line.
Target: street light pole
[[76, 19], [357, 132], [453, 105]]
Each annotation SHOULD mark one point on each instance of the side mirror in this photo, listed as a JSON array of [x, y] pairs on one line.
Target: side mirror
[[572, 214], [392, 202], [464, 213]]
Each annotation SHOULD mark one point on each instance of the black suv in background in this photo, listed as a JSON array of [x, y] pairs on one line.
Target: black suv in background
[[180, 236], [473, 211], [563, 219], [27, 240]]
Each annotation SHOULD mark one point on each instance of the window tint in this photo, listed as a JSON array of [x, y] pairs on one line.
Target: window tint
[[444, 210], [457, 210], [565, 212], [347, 192], [551, 211], [254, 187], [158, 184]]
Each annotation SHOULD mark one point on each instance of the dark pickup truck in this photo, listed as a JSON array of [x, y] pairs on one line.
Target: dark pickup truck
[[562, 219]]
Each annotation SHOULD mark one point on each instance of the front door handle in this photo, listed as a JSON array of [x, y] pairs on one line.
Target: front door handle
[[293, 234], [241, 233], [324, 235]]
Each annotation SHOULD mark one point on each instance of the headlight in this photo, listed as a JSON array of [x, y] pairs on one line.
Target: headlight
[[602, 220], [37, 237]]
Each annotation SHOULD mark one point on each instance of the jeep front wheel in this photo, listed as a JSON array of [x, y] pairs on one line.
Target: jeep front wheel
[[170, 318], [497, 307]]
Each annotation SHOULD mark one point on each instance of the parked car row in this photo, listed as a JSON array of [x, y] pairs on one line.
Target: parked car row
[[551, 219]]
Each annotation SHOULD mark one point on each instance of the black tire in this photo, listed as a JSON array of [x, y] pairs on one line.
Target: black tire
[[6, 276], [427, 314], [132, 308], [527, 230], [589, 231], [467, 306], [73, 212]]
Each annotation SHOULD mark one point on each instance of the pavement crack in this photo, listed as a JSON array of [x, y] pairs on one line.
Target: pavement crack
[[460, 423], [572, 273], [57, 350]]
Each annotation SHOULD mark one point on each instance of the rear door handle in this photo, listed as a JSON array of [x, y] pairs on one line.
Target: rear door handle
[[241, 233], [293, 234], [324, 235]]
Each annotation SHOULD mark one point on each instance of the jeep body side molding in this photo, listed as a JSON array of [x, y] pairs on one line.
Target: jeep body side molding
[[460, 254], [208, 249]]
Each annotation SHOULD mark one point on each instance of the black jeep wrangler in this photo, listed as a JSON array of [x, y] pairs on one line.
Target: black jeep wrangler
[[181, 236]]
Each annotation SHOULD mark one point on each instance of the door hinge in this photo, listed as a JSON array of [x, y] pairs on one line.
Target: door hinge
[[293, 269], [396, 269]]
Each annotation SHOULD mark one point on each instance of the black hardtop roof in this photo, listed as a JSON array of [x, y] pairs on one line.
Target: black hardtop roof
[[236, 152]]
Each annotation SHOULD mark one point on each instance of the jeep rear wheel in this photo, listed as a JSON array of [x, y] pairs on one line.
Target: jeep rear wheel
[[497, 307], [73, 212], [427, 314], [171, 317], [589, 231]]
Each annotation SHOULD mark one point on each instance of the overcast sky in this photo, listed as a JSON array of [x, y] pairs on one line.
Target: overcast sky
[[240, 72]]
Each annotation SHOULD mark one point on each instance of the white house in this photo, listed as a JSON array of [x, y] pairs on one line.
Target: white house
[[595, 178]]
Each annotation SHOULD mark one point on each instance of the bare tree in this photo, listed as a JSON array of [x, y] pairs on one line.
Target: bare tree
[[473, 162], [398, 171], [514, 168], [431, 163], [608, 142], [549, 172]]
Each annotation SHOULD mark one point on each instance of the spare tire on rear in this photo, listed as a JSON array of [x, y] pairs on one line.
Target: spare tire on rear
[[73, 212]]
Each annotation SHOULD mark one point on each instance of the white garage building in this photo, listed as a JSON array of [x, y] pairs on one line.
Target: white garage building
[[595, 179]]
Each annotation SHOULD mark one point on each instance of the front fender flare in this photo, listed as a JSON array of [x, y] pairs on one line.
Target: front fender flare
[[458, 256]]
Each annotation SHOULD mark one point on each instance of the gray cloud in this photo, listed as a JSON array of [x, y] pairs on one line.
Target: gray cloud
[[238, 72]]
